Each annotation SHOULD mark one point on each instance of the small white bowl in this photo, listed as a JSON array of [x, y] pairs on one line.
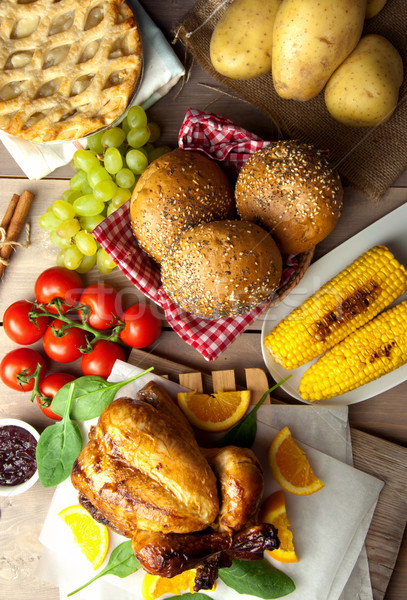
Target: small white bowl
[[13, 490]]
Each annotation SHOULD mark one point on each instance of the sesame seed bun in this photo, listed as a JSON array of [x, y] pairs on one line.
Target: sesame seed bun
[[177, 191], [290, 189], [222, 269]]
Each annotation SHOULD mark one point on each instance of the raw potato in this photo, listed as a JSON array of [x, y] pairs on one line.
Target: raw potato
[[374, 7], [364, 90], [241, 42], [310, 40]]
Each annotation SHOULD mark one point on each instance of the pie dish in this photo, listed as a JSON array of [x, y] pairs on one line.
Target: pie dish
[[68, 67]]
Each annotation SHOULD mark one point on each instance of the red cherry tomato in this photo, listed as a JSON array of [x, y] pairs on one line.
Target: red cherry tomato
[[142, 327], [49, 387], [58, 282], [102, 358], [104, 303], [66, 348], [19, 327], [22, 361]]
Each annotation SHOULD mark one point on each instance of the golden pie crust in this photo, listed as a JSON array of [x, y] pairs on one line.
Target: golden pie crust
[[67, 67]]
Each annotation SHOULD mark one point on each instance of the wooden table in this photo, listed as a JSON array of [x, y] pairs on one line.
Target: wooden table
[[384, 415]]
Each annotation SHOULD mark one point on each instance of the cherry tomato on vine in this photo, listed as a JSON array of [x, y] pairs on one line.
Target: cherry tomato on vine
[[104, 303], [102, 358], [58, 282], [21, 363], [141, 326], [19, 327], [49, 386], [66, 348]]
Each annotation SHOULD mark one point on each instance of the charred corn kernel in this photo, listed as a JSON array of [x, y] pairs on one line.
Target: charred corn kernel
[[348, 301], [375, 349]]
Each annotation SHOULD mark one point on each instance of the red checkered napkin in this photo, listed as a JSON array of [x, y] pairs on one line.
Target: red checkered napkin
[[222, 140]]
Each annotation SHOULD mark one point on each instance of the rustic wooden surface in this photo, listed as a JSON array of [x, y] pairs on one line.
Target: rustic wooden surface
[[383, 416]]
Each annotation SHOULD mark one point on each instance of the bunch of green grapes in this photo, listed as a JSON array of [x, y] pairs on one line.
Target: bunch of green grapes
[[105, 176]]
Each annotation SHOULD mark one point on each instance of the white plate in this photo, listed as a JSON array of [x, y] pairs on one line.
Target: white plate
[[390, 231]]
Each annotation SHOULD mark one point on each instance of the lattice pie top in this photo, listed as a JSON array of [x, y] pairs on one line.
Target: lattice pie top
[[68, 67]]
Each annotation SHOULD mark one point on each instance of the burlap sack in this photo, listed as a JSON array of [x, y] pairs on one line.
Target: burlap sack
[[368, 159]]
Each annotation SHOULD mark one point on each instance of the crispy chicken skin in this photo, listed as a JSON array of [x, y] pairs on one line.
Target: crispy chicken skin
[[142, 469], [143, 474]]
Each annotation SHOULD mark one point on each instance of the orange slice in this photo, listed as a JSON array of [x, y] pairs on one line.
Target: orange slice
[[92, 537], [214, 412], [154, 586], [274, 511], [290, 467]]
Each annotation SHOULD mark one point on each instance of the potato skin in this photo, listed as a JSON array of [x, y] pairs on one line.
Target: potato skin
[[241, 42], [374, 7], [310, 40], [364, 90]]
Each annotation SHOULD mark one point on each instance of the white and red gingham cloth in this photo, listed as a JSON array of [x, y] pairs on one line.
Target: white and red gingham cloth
[[222, 140]]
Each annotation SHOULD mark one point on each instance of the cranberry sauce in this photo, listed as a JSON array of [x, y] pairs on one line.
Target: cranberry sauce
[[17, 455]]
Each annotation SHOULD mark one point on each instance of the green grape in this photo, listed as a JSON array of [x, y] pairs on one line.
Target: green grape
[[72, 258], [70, 195], [63, 210], [105, 190], [87, 206], [125, 126], [58, 241], [113, 160], [49, 221], [103, 261], [113, 138], [87, 263], [121, 196], [136, 117], [125, 178], [78, 180], [155, 132], [137, 161], [110, 209], [85, 160], [97, 175], [89, 223], [86, 243], [68, 228], [60, 258], [138, 136], [95, 143], [86, 188], [159, 151]]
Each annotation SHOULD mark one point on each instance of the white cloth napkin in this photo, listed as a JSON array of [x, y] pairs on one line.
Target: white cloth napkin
[[162, 70], [329, 526]]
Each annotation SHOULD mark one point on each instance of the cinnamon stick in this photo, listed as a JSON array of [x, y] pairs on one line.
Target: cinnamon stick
[[16, 223], [9, 212]]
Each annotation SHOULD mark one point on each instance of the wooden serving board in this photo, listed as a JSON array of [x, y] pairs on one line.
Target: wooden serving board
[[378, 457]]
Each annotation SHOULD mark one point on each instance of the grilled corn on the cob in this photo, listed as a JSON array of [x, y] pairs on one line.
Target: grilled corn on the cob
[[370, 352], [348, 301]]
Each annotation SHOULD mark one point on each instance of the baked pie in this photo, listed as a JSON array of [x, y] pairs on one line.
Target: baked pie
[[67, 67]]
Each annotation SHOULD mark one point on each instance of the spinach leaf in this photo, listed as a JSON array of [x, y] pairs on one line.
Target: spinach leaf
[[194, 596], [257, 578], [58, 447], [122, 563], [91, 396], [243, 433]]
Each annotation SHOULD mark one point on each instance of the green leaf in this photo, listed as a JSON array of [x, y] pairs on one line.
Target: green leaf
[[257, 578], [122, 563], [189, 596], [244, 432], [57, 449], [90, 397]]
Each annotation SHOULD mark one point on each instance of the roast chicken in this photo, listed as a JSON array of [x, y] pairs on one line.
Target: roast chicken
[[143, 474]]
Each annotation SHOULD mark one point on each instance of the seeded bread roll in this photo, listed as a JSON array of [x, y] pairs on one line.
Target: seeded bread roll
[[290, 189], [177, 191], [222, 269]]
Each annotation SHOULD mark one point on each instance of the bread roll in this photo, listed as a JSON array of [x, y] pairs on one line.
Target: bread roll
[[222, 269], [177, 191], [290, 189]]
